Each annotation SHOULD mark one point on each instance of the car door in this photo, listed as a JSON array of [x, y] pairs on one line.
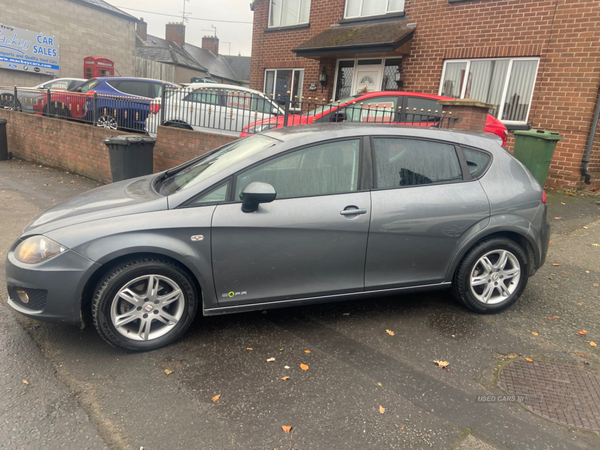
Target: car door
[[310, 241], [421, 206], [419, 110], [372, 110], [200, 108]]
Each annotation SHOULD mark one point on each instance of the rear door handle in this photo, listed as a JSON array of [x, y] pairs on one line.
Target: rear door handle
[[353, 211]]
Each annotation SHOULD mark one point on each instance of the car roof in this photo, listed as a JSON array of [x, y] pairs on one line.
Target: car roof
[[305, 134], [134, 79], [221, 86], [402, 94]]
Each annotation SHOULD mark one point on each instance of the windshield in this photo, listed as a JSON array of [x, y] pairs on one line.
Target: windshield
[[215, 163], [87, 86], [326, 108]]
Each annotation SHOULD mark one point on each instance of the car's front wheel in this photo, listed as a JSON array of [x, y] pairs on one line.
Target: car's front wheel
[[144, 304], [492, 276], [106, 119]]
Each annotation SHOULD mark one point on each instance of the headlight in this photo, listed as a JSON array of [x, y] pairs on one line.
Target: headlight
[[37, 249]]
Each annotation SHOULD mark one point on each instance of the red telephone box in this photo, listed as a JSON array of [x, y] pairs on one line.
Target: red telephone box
[[97, 66]]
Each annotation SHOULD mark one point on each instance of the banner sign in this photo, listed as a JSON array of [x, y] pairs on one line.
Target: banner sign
[[28, 51]]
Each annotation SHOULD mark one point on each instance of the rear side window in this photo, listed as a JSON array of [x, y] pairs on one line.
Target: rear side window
[[210, 97], [412, 162], [139, 88], [420, 110], [476, 161]]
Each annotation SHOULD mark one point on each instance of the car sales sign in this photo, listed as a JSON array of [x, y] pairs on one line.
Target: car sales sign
[[28, 51]]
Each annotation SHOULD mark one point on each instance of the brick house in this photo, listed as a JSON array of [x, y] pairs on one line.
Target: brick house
[[537, 60]]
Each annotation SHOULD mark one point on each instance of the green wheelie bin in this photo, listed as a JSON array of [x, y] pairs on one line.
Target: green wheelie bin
[[534, 148]]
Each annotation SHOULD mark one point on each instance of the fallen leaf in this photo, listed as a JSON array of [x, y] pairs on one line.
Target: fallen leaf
[[582, 332], [534, 333], [345, 314], [442, 364], [556, 265], [25, 382], [511, 356], [378, 384], [169, 372], [271, 359], [286, 367], [528, 359], [595, 245], [550, 242], [306, 351], [558, 218], [593, 344], [280, 349], [552, 318], [381, 410], [285, 378], [286, 428], [585, 228], [596, 285], [562, 203], [579, 304], [582, 355], [303, 366], [390, 332], [563, 272], [250, 349], [587, 271], [216, 397]]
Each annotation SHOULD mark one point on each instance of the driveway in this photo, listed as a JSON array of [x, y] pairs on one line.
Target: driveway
[[357, 374]]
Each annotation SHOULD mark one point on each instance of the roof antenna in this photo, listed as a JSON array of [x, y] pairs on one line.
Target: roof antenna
[[184, 14]]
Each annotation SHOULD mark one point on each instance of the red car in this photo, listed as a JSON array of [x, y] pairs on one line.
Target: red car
[[394, 107]]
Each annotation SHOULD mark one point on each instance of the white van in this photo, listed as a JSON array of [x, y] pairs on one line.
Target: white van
[[214, 108]]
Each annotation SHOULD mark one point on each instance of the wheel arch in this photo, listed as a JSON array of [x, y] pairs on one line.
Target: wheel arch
[[515, 228], [117, 258]]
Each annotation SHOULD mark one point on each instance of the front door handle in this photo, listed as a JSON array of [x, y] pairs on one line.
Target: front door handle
[[353, 211]]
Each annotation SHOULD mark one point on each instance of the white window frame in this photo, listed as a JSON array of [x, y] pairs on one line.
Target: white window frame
[[281, 14], [387, 10], [294, 70], [504, 89]]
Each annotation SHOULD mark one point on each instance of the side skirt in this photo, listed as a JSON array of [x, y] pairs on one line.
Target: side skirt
[[324, 299]]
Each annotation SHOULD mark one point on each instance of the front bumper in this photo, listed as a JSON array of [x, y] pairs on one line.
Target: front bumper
[[54, 288]]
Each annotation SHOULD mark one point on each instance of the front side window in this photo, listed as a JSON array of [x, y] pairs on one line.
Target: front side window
[[285, 13], [278, 82], [365, 8], [373, 110], [507, 83], [324, 169], [412, 162]]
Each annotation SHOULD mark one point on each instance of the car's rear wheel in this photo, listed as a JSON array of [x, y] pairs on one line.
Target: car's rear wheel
[[492, 276], [144, 304]]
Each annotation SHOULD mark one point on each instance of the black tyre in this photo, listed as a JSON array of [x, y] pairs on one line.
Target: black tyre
[[178, 124], [59, 110], [491, 276], [144, 304]]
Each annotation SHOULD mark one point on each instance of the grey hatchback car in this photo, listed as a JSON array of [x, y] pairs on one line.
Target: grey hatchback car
[[293, 216]]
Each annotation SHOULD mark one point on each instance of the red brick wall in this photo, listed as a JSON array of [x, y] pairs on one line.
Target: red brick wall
[[568, 79], [79, 148]]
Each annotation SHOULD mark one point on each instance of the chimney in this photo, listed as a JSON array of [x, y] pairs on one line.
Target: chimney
[[175, 32], [141, 28], [211, 43]]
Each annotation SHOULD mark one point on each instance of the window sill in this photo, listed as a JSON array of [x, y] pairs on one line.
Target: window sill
[[374, 19], [289, 27]]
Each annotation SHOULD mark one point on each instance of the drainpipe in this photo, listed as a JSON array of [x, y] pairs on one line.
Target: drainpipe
[[588, 153]]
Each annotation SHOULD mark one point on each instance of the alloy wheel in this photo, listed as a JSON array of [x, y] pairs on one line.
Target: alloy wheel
[[495, 276]]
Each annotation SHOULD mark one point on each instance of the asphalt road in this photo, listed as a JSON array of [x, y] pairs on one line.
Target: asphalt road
[[82, 393]]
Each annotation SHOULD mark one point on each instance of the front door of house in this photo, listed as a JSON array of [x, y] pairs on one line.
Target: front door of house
[[367, 78]]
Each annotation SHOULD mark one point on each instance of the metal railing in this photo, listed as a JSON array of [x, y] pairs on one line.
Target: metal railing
[[109, 111], [217, 110]]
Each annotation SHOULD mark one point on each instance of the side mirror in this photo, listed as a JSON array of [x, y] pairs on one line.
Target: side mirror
[[256, 193]]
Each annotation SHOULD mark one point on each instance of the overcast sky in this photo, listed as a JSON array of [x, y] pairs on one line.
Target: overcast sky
[[239, 34]]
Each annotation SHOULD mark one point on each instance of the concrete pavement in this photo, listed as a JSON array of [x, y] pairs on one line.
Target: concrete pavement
[[124, 401]]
